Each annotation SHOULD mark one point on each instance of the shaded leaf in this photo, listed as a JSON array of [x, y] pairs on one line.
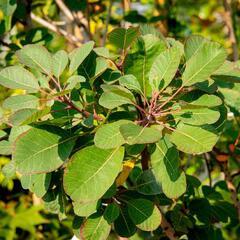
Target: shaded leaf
[[147, 184], [123, 225], [166, 168], [111, 212], [78, 55], [144, 214]]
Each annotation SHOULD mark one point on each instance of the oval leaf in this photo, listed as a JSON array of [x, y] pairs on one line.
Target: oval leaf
[[37, 57], [60, 61], [134, 134], [166, 169], [108, 136], [95, 227], [164, 68], [144, 214], [78, 55], [194, 139], [91, 172], [42, 150], [17, 77]]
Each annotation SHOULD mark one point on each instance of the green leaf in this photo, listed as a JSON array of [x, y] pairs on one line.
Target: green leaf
[[203, 63], [134, 134], [115, 96], [108, 136], [166, 168], [164, 68], [60, 61], [130, 82], [111, 212], [122, 38], [144, 214], [123, 225], [5, 147], [78, 55], [95, 227], [147, 184], [204, 100], [55, 201], [208, 86], [37, 183], [52, 148], [102, 52], [139, 63], [197, 115], [87, 208], [228, 72], [7, 8], [21, 101], [37, 57], [27, 116], [2, 134], [180, 221], [175, 43], [92, 67], [17, 77], [74, 81], [91, 171], [193, 45], [194, 139], [9, 170], [16, 132]]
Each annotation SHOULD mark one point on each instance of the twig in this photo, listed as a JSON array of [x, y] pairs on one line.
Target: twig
[[166, 226], [207, 158], [145, 159], [73, 17], [107, 22], [70, 38], [229, 24], [4, 43], [84, 112], [232, 189], [65, 10], [170, 98], [88, 20]]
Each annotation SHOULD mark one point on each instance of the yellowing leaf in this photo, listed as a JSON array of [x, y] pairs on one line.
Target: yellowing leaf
[[127, 168]]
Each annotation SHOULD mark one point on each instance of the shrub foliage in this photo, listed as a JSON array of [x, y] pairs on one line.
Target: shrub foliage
[[101, 135]]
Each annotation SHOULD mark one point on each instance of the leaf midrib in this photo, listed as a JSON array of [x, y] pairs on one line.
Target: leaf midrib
[[196, 73]]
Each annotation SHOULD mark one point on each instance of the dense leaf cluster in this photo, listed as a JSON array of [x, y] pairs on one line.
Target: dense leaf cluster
[[101, 135]]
